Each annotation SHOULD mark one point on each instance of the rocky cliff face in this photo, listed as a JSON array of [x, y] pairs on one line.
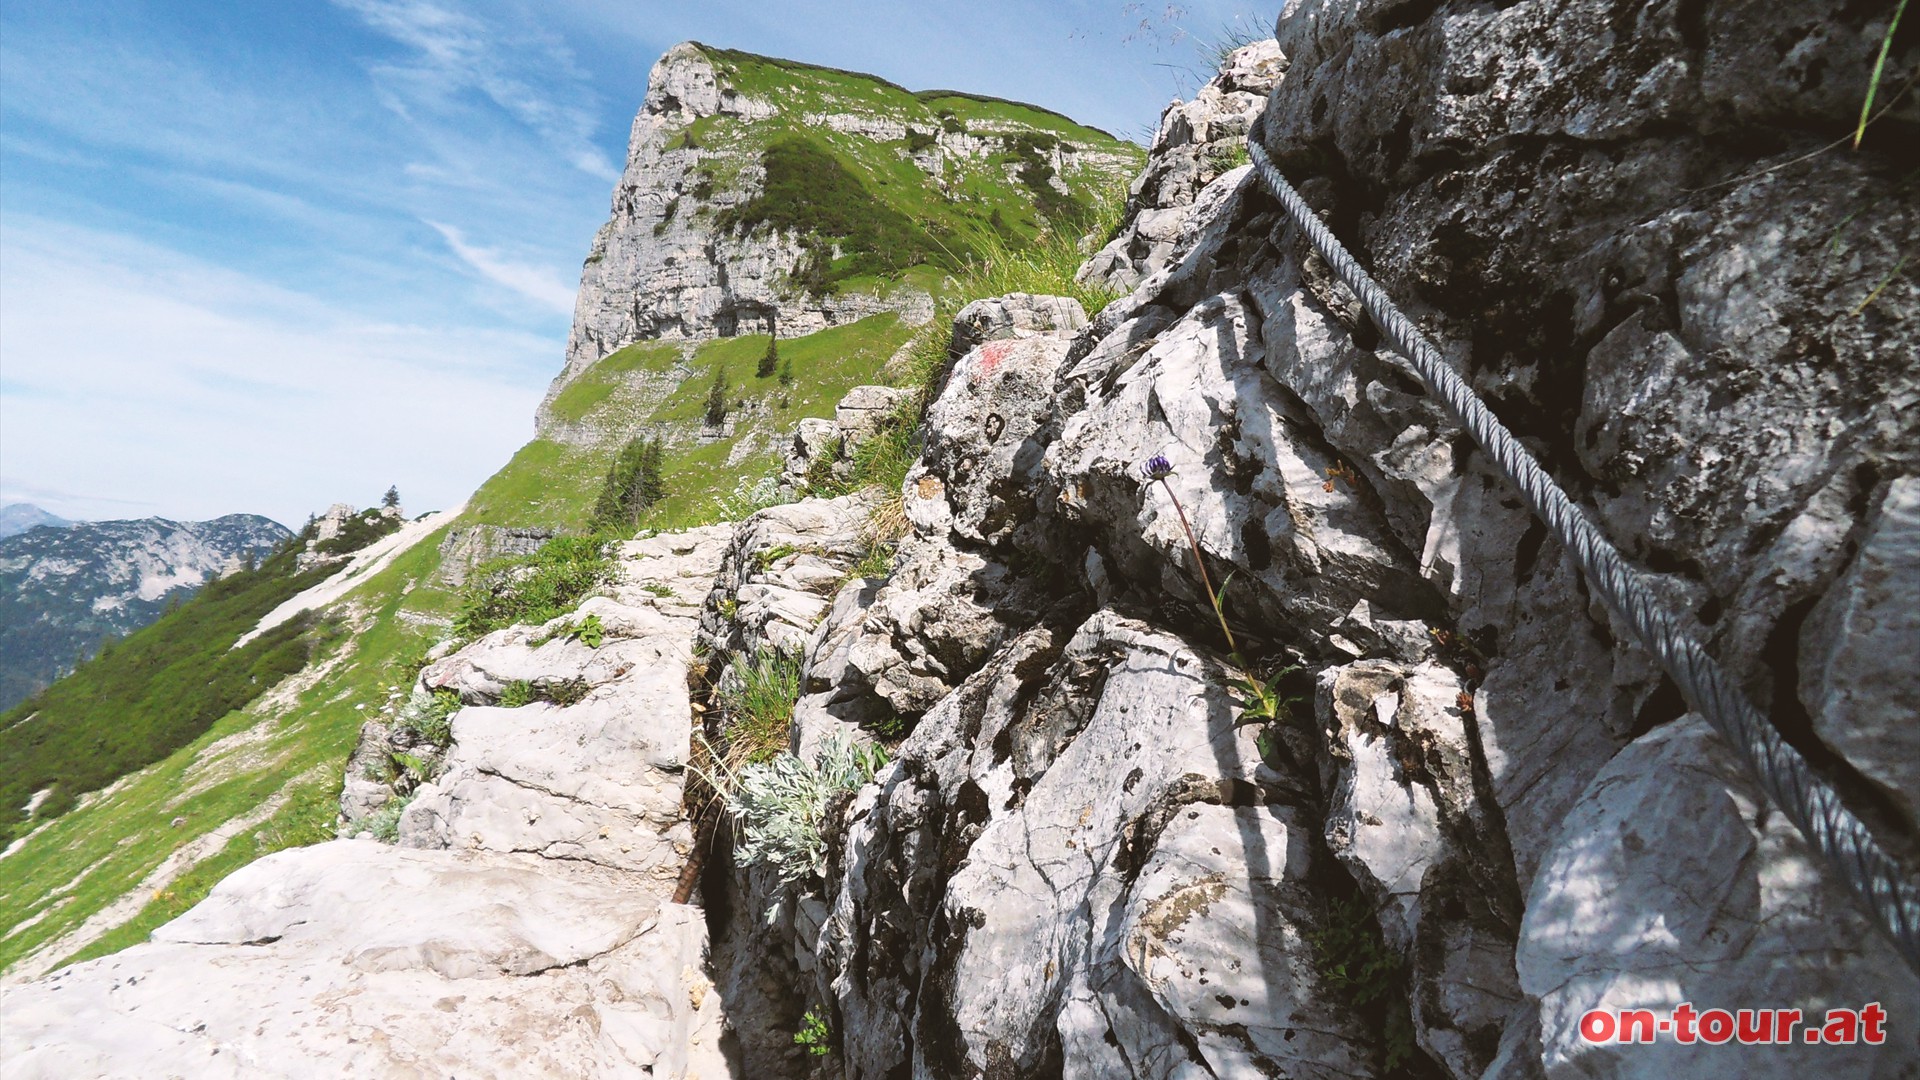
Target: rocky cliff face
[[1487, 813], [667, 265], [1479, 813], [64, 589]]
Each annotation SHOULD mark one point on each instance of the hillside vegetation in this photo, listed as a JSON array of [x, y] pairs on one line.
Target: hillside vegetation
[[883, 179], [141, 698], [255, 739]]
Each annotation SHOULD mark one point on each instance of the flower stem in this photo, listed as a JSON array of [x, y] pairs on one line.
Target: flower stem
[[1201, 562]]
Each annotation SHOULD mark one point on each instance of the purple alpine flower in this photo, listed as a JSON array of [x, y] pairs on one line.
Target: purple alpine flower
[[1156, 467]]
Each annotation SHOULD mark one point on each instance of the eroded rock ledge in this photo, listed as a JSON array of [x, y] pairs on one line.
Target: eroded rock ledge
[[525, 926]]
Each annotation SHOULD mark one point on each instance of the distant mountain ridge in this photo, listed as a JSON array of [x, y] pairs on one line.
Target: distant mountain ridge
[[64, 589], [16, 518]]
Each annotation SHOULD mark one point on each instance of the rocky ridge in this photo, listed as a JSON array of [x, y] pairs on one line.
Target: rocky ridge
[[62, 590]]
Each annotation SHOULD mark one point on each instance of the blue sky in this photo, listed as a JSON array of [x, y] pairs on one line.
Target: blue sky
[[267, 255]]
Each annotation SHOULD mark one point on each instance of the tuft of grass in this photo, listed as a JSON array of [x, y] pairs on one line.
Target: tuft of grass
[[527, 589], [516, 694], [758, 704], [1233, 35], [876, 563]]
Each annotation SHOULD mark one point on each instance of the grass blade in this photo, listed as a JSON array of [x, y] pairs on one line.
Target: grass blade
[[1879, 66]]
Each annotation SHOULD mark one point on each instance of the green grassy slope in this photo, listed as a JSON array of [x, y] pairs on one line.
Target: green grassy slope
[[288, 744], [142, 697], [871, 192]]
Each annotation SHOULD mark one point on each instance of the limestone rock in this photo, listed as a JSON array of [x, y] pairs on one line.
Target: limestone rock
[[1425, 847], [780, 572], [1065, 847], [981, 451], [1858, 677], [1670, 883], [864, 409], [354, 958], [467, 546], [1015, 315], [1196, 142]]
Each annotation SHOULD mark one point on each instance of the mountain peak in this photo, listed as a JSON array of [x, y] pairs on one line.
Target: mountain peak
[[763, 195], [16, 518]]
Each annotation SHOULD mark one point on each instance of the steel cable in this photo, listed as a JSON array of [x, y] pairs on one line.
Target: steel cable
[[1888, 895]]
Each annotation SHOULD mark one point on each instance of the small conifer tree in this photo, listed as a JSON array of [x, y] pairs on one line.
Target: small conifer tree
[[717, 398], [634, 482], [769, 360], [392, 498], [786, 372]]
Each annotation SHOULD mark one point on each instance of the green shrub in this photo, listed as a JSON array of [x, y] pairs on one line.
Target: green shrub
[[515, 694], [534, 588], [428, 715], [918, 140], [813, 1036]]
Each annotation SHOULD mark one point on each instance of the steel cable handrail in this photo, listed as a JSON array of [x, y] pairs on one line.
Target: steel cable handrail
[[1874, 877]]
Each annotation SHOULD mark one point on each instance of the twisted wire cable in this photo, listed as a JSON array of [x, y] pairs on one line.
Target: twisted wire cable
[[1875, 878]]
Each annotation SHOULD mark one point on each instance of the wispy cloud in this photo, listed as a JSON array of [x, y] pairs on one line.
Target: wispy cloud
[[528, 73], [71, 504], [202, 392], [542, 285]]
